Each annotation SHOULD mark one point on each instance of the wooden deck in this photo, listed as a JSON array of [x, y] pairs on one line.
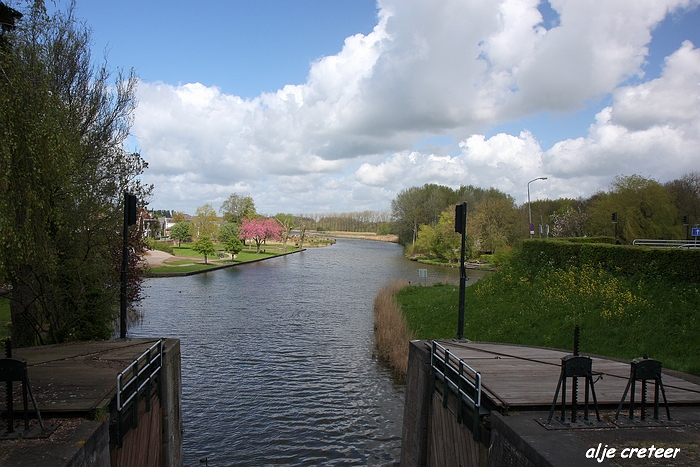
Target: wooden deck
[[79, 377], [524, 377]]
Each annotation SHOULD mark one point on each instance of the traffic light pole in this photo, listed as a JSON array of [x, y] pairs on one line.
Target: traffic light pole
[[461, 227], [129, 219]]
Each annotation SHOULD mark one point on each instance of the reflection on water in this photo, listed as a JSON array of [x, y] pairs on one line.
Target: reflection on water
[[277, 361]]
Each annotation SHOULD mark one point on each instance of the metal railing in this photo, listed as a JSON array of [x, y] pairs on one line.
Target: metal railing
[[459, 378], [666, 243], [134, 381]]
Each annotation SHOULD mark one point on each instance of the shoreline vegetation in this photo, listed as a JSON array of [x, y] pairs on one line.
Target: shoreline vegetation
[[391, 331], [620, 316], [185, 261], [391, 238]]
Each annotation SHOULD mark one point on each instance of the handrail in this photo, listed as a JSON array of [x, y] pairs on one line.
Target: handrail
[[461, 378], [656, 243], [129, 389]]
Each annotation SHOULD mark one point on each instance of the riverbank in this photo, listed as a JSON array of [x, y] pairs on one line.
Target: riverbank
[[184, 260], [391, 238]]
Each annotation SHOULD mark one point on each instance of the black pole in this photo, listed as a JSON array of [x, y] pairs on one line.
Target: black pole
[[461, 226], [8, 393], [124, 268]]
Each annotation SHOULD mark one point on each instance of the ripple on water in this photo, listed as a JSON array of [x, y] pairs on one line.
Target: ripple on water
[[277, 365]]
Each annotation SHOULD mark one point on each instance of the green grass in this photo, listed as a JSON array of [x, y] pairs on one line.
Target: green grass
[[5, 318], [619, 316], [194, 261]]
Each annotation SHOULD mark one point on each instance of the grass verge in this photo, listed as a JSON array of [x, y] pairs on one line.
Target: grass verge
[[620, 316]]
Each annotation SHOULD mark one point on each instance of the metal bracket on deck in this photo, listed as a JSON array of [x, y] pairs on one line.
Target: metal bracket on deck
[[15, 370], [644, 369], [575, 366]]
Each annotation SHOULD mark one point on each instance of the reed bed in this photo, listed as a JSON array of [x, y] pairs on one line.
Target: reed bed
[[391, 331]]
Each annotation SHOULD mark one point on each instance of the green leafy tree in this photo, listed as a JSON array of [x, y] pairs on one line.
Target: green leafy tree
[[182, 232], [685, 195], [234, 245], [228, 230], [493, 222], [237, 207], [63, 171], [441, 241], [644, 210], [205, 222], [205, 247]]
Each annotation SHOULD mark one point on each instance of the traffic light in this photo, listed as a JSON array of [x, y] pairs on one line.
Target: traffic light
[[685, 220], [130, 207], [614, 217], [460, 218]]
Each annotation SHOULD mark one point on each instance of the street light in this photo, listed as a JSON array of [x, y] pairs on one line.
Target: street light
[[529, 212]]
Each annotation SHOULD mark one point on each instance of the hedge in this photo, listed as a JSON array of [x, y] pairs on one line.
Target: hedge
[[669, 264]]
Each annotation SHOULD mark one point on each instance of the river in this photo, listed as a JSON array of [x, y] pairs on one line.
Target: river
[[278, 365]]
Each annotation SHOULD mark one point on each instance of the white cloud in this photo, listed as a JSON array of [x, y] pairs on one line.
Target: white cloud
[[344, 139]]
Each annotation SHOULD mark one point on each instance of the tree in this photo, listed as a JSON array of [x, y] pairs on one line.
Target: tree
[[685, 195], [234, 245], [441, 241], [178, 217], [63, 171], [205, 221], [260, 229], [182, 232], [236, 208], [644, 210], [286, 221], [204, 246], [227, 231], [569, 222], [493, 222]]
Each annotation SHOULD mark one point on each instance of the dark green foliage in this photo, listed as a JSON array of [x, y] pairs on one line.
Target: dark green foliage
[[672, 264], [63, 171]]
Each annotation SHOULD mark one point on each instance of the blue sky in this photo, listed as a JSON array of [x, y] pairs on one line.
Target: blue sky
[[316, 106]]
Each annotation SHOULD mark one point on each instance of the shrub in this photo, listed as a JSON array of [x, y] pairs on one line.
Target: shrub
[[160, 246]]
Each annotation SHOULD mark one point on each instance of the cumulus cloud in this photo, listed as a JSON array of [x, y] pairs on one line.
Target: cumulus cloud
[[344, 139]]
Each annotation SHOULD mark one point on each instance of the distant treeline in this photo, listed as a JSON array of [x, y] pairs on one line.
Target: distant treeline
[[633, 207], [364, 221]]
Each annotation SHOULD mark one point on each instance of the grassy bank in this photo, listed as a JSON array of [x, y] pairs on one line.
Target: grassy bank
[[620, 316], [185, 259]]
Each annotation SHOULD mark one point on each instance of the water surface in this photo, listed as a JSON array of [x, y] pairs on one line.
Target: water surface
[[277, 357]]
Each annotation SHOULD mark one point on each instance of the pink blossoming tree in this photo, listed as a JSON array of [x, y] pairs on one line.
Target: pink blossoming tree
[[259, 230]]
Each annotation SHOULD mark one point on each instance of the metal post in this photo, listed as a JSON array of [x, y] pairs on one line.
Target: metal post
[[8, 399], [574, 384], [462, 273], [529, 212], [125, 265]]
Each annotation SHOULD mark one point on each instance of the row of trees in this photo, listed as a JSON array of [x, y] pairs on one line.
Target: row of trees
[[63, 171], [424, 216]]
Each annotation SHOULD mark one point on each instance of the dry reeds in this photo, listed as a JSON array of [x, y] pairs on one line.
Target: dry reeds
[[390, 329]]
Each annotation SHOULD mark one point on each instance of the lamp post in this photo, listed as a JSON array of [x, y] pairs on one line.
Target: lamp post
[[529, 212]]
